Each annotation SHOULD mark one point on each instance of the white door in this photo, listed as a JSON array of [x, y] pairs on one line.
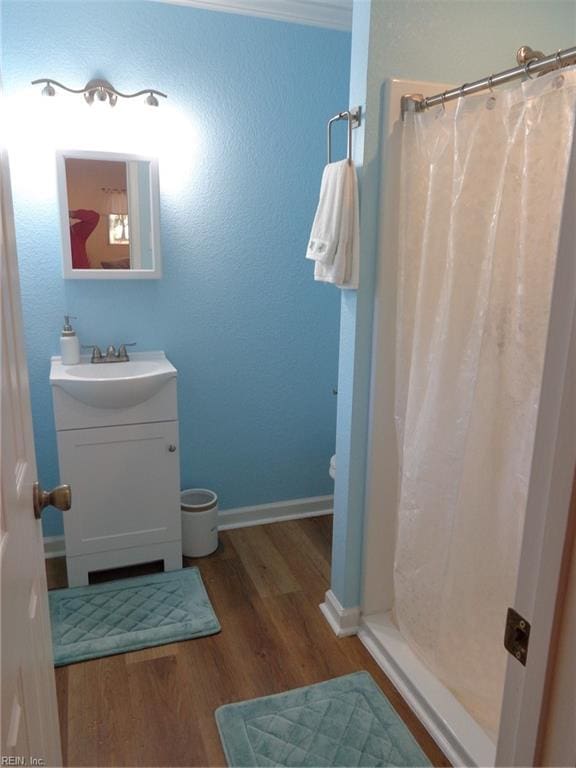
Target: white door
[[29, 717]]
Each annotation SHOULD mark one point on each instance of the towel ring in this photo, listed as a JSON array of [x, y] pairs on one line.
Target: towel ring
[[353, 118]]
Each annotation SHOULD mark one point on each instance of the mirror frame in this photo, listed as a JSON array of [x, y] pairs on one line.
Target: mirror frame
[[68, 272]]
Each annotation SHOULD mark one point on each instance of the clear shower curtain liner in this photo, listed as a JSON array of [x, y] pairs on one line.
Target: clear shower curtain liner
[[482, 203]]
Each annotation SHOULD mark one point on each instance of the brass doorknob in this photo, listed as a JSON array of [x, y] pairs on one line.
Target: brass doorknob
[[59, 497]]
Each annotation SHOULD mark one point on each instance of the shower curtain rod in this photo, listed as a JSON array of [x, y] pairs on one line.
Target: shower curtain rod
[[530, 62]]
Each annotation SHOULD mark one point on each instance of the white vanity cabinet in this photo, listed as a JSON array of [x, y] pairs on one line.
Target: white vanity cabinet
[[123, 468]]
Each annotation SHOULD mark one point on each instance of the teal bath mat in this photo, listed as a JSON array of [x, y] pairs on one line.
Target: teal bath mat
[[346, 721], [129, 614]]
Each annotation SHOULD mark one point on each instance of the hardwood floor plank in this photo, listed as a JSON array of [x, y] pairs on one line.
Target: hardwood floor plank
[[263, 562], [311, 649], [165, 713], [319, 531], [309, 567], [247, 637], [150, 654], [62, 687], [56, 572], [102, 729], [228, 585]]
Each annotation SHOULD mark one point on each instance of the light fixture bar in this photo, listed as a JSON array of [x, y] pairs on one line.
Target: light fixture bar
[[101, 90]]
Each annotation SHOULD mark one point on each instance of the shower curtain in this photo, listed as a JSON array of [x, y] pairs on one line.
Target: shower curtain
[[481, 209]]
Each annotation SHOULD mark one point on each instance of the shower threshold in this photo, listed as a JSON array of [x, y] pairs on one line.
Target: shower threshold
[[455, 731]]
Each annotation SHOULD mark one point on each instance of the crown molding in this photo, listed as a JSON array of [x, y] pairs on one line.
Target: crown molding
[[331, 14]]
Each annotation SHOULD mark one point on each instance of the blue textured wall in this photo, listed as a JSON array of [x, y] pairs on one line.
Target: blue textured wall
[[452, 41], [241, 153]]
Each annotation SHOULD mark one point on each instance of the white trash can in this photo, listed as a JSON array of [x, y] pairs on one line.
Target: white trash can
[[199, 522]]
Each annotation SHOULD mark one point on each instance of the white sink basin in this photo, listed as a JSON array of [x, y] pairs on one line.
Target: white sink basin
[[113, 385]]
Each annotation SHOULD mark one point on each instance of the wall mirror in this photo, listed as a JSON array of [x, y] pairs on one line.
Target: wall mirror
[[109, 211]]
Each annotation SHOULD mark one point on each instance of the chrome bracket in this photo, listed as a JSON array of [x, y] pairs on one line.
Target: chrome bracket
[[411, 102], [355, 116]]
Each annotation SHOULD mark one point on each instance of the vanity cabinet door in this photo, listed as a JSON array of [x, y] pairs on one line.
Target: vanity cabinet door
[[125, 486]]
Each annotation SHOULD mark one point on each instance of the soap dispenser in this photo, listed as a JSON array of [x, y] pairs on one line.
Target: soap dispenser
[[69, 344]]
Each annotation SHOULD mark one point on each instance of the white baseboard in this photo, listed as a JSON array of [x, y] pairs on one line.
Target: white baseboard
[[262, 514], [241, 517], [343, 621], [54, 546]]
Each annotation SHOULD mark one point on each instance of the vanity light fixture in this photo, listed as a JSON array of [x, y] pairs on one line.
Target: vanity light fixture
[[101, 90]]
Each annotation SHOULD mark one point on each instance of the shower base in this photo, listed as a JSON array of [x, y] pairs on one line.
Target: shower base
[[455, 731]]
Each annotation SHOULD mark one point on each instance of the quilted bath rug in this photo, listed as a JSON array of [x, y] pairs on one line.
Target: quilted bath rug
[[129, 614], [346, 721]]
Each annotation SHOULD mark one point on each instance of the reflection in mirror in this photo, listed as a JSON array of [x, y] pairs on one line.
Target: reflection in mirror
[[109, 223]]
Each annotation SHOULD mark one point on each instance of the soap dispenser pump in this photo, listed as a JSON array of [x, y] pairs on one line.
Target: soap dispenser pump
[[69, 344]]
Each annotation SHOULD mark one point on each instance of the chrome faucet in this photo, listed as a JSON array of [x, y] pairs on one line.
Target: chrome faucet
[[111, 355]]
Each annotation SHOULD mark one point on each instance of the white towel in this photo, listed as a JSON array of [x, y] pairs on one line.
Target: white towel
[[327, 221], [344, 267]]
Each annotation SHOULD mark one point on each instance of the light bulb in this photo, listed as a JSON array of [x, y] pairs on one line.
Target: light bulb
[[48, 90], [152, 100]]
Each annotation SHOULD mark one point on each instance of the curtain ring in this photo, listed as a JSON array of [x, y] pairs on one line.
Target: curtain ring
[[559, 79], [558, 59], [491, 101], [444, 101], [526, 70]]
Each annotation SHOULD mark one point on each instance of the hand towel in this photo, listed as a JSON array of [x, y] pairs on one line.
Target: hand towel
[[344, 267], [327, 221]]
